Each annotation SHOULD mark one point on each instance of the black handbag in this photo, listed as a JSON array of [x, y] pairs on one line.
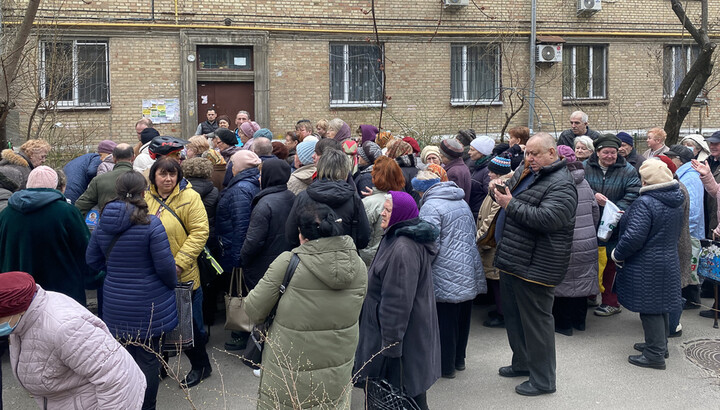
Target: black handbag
[[252, 356], [381, 395]]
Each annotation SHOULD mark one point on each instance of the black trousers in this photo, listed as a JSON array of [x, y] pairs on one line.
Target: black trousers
[[150, 366], [530, 328], [657, 329], [692, 294], [454, 323], [570, 312]]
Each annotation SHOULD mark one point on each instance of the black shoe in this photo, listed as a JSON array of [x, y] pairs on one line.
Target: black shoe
[[508, 371], [237, 343], [690, 306], [707, 313], [675, 334], [527, 389], [450, 375], [196, 376], [460, 365], [642, 361], [640, 347], [566, 332], [494, 322], [163, 373], [494, 313]]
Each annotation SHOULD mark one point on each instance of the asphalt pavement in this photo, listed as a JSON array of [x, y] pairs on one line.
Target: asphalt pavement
[[592, 372]]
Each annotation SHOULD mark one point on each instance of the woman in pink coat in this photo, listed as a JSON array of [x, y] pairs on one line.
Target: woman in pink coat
[[61, 353]]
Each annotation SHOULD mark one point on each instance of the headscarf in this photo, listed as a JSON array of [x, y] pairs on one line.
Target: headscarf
[[397, 148], [439, 171], [369, 132], [383, 138], [343, 133], [17, 290], [404, 207]]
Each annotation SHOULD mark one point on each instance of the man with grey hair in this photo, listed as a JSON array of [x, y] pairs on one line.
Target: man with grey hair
[[332, 189], [240, 118], [534, 231], [101, 189], [263, 148], [578, 127]]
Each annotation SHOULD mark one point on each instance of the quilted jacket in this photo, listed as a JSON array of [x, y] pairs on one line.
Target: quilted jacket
[[301, 179], [581, 278], [620, 184], [67, 359], [189, 207], [691, 179], [539, 223], [80, 171], [459, 173], [139, 300], [457, 270], [649, 279], [233, 216]]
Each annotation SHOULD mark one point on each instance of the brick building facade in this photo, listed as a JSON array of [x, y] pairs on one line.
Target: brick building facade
[[445, 68]]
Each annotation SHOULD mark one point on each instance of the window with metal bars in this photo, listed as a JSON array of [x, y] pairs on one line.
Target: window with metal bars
[[355, 75], [677, 60], [474, 74], [75, 73], [585, 72]]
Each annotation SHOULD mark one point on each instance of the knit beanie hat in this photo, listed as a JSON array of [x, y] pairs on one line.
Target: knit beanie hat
[[249, 128], [244, 159], [566, 152], [304, 151], [626, 138], [483, 144], [466, 137], [311, 138], [654, 171], [424, 180], [383, 138], [671, 165], [500, 165], [17, 290], [404, 207], [106, 146], [226, 136], [10, 178], [148, 134], [429, 149], [439, 171], [397, 148], [370, 152], [451, 148], [43, 177], [413, 143], [605, 141], [264, 133]]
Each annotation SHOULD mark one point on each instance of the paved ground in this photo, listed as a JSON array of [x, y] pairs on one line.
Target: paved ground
[[592, 369]]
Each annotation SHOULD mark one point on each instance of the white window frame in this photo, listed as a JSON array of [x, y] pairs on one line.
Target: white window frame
[[676, 48], [465, 100], [75, 102], [571, 53], [345, 101]]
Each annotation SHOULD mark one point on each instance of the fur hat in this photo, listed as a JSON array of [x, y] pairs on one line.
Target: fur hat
[[106, 147], [42, 177], [304, 151], [655, 171], [10, 178], [483, 144], [197, 167], [451, 148]]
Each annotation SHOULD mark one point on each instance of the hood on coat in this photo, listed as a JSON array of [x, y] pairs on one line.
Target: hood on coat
[[275, 172], [415, 229], [305, 173], [115, 217], [32, 199], [443, 190], [182, 185], [201, 186], [668, 193], [331, 193], [250, 174], [14, 158], [577, 171], [327, 259]]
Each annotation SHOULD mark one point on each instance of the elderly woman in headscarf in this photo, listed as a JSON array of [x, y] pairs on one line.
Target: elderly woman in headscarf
[[338, 130], [367, 133], [402, 153], [399, 317]]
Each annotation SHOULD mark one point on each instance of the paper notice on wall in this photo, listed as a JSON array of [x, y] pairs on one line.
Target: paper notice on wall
[[162, 111], [240, 61], [203, 99]]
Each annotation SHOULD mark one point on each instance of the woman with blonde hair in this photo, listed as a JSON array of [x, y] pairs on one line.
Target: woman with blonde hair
[[32, 154], [197, 146]]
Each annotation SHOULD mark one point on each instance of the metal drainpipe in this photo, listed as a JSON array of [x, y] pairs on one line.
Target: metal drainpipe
[[531, 99], [152, 10]]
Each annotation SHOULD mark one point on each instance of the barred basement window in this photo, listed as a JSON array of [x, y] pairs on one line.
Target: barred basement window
[[355, 76], [75, 73], [474, 74], [677, 61], [584, 72]]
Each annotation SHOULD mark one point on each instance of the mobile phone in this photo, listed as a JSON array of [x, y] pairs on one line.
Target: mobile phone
[[502, 188]]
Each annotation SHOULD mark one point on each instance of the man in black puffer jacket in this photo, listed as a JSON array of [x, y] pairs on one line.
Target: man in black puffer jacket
[[534, 232]]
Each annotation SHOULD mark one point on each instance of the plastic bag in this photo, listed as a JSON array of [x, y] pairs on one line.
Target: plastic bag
[[610, 217]]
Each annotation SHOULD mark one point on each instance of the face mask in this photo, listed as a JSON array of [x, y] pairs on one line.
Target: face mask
[[5, 328]]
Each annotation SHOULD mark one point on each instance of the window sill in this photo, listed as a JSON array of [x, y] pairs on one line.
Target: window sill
[[77, 107], [356, 105], [475, 103], [586, 101]]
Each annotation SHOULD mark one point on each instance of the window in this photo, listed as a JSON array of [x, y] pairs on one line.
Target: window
[[474, 74], [677, 61], [75, 73], [355, 75], [585, 72], [224, 58]]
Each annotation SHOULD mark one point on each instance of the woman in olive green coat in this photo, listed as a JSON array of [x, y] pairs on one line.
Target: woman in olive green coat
[[308, 357]]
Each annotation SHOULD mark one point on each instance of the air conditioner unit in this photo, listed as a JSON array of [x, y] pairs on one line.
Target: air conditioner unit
[[549, 53], [455, 3], [586, 8]]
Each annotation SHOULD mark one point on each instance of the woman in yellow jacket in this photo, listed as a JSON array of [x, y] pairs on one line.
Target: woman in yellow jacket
[[172, 199]]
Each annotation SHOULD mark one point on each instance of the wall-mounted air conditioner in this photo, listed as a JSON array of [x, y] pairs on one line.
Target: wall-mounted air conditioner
[[549, 53], [455, 3], [586, 8]]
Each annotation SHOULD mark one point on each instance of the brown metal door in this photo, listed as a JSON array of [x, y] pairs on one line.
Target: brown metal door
[[228, 98]]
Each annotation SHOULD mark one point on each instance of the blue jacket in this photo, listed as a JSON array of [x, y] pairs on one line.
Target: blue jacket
[[80, 171], [458, 273], [233, 216], [139, 300], [649, 279], [691, 179]]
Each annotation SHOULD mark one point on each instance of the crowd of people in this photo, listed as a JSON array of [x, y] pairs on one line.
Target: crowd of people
[[395, 240]]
